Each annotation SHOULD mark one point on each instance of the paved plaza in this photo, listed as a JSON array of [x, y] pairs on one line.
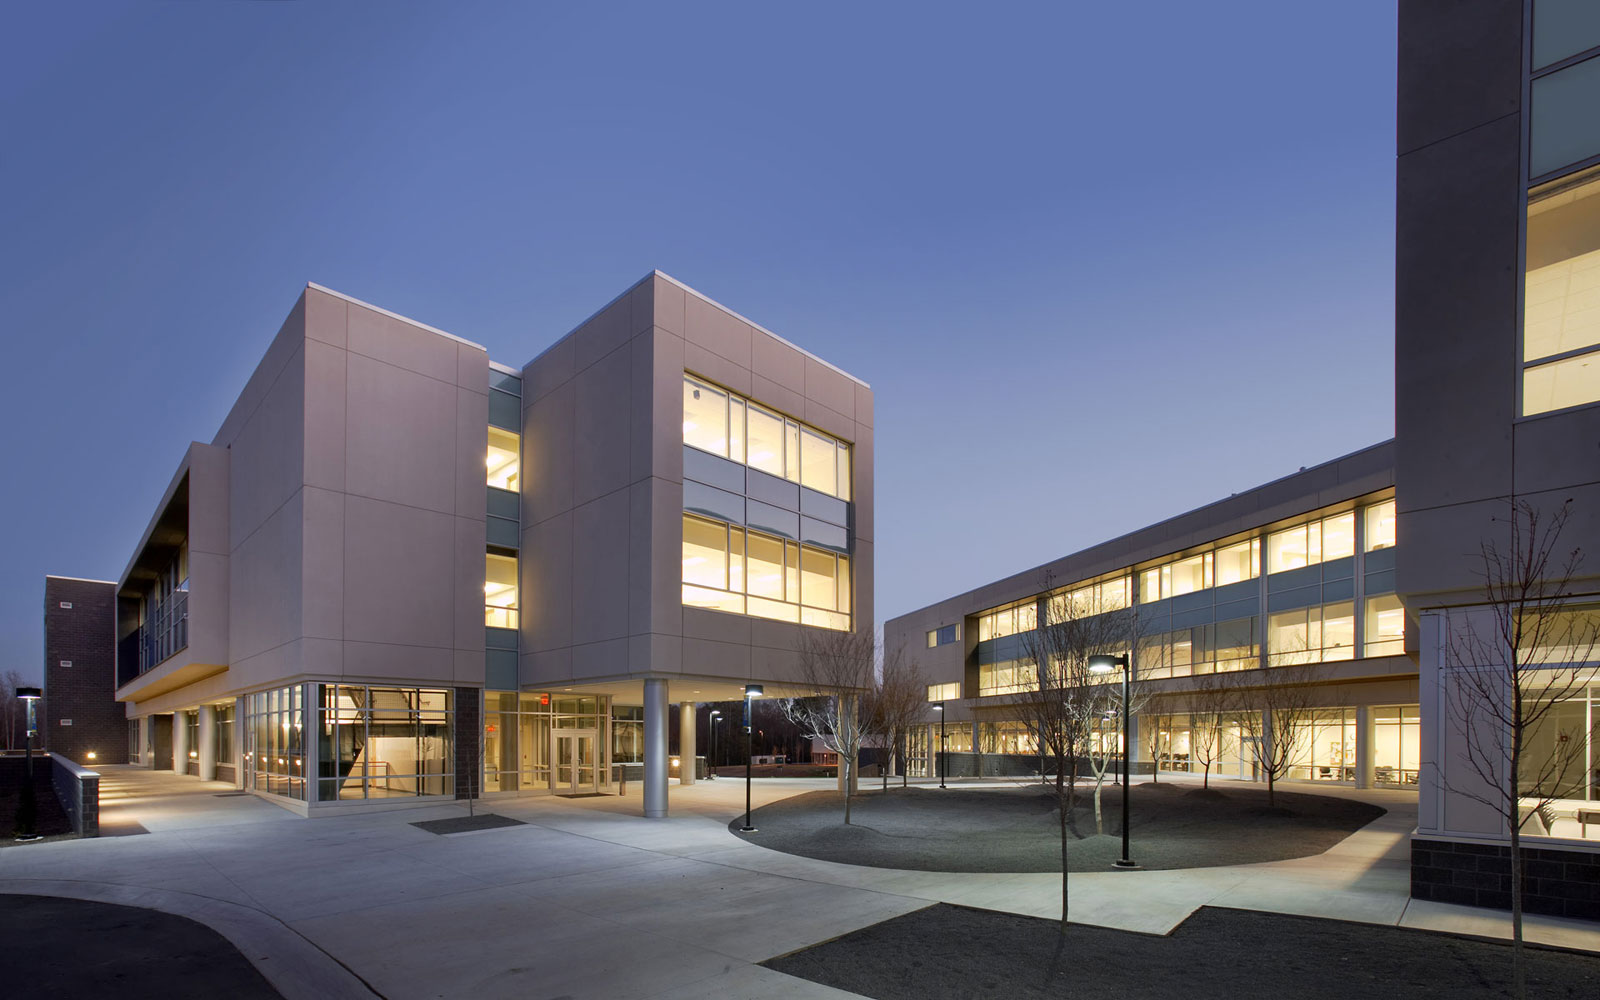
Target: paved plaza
[[587, 899]]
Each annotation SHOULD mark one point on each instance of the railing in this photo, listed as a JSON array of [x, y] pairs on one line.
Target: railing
[[166, 632]]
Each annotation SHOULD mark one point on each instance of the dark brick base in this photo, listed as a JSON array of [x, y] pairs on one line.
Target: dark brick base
[[469, 736], [1556, 882]]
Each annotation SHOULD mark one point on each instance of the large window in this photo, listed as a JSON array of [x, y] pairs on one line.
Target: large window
[[1007, 677], [1307, 635], [519, 736], [1380, 526], [1561, 303], [1201, 649], [505, 460], [726, 424], [1324, 749], [1561, 759], [1309, 544], [1384, 627], [499, 590], [379, 743], [944, 635], [224, 756], [274, 758], [1230, 564], [1086, 601], [1397, 750], [1010, 620], [729, 568]]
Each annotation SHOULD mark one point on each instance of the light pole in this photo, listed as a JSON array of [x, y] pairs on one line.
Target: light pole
[[943, 764], [751, 692], [1104, 664], [28, 808], [711, 724]]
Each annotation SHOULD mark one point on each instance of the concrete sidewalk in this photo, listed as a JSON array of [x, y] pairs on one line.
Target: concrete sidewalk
[[590, 900]]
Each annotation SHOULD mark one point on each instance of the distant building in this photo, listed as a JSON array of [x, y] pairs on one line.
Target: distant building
[[79, 716]]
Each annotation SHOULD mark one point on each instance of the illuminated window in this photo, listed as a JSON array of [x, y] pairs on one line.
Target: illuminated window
[[944, 692], [729, 568], [1380, 526], [726, 424], [1309, 635], [505, 463], [1385, 626], [705, 417], [1237, 563], [1561, 297], [1313, 543], [944, 635], [500, 591], [1008, 621]]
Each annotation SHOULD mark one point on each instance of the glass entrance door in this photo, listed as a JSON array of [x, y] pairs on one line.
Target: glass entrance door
[[576, 769]]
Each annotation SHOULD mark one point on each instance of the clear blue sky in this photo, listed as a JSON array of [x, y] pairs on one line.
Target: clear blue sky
[[1102, 263]]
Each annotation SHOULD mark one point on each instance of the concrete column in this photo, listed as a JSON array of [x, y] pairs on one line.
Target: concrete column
[[655, 748], [208, 742], [180, 744], [1364, 746], [686, 741]]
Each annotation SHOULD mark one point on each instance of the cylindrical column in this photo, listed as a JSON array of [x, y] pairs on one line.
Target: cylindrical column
[[686, 742], [180, 743], [655, 748], [1364, 747], [208, 742]]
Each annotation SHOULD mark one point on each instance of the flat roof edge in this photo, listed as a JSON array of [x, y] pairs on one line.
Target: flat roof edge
[[394, 315], [658, 273], [496, 366], [78, 579]]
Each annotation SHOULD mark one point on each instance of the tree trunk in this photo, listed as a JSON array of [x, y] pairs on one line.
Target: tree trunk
[[1099, 820], [1272, 799], [1206, 781], [1519, 971]]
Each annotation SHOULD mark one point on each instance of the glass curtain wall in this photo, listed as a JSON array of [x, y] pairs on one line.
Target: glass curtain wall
[[1397, 750], [380, 742], [224, 756], [519, 730], [274, 759], [732, 427], [1561, 760], [729, 568]]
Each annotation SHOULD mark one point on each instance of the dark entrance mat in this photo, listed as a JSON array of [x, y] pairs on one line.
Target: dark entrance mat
[[581, 795], [79, 948], [1173, 826], [467, 824], [227, 795], [953, 951]]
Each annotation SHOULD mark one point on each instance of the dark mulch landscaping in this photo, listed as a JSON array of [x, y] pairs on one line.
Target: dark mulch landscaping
[[952, 951], [50, 820], [78, 948], [467, 824], [1016, 830]]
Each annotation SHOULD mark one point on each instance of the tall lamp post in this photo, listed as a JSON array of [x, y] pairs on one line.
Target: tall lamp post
[[751, 692], [28, 808], [1105, 664], [943, 763], [711, 724]]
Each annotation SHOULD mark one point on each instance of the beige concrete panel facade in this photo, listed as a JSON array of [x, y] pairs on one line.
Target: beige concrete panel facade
[[327, 377], [288, 342], [268, 456], [602, 455], [466, 588], [380, 662], [778, 363], [322, 561], [265, 573], [600, 565], [401, 429], [548, 444], [399, 574], [472, 442], [721, 333], [545, 570], [393, 341]]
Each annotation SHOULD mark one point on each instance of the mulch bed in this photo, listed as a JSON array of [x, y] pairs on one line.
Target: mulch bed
[[948, 951], [1017, 830]]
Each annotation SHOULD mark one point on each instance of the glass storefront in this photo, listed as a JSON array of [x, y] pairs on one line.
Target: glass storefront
[[524, 733], [380, 742], [274, 758], [1561, 763]]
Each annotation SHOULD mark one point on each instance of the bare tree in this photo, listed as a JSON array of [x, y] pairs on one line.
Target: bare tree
[[1100, 703], [1510, 669], [1276, 719], [1057, 652], [897, 706], [841, 667], [1211, 729]]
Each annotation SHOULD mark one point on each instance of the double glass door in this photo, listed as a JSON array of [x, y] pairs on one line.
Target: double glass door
[[576, 768]]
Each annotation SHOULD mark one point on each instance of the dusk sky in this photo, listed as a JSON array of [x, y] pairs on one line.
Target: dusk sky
[[1101, 263]]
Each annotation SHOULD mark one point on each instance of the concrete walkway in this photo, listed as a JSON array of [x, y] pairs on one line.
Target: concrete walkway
[[590, 900]]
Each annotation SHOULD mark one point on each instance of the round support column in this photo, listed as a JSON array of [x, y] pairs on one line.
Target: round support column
[[655, 748], [686, 743], [208, 743]]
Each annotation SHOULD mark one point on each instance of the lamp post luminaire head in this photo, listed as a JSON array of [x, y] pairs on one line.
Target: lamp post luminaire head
[[29, 693], [1105, 663], [752, 690]]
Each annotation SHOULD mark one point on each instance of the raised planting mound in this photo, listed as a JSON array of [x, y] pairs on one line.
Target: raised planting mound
[[1017, 829]]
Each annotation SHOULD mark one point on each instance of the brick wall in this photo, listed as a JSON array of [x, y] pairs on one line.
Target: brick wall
[[80, 673], [1556, 882], [469, 736]]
